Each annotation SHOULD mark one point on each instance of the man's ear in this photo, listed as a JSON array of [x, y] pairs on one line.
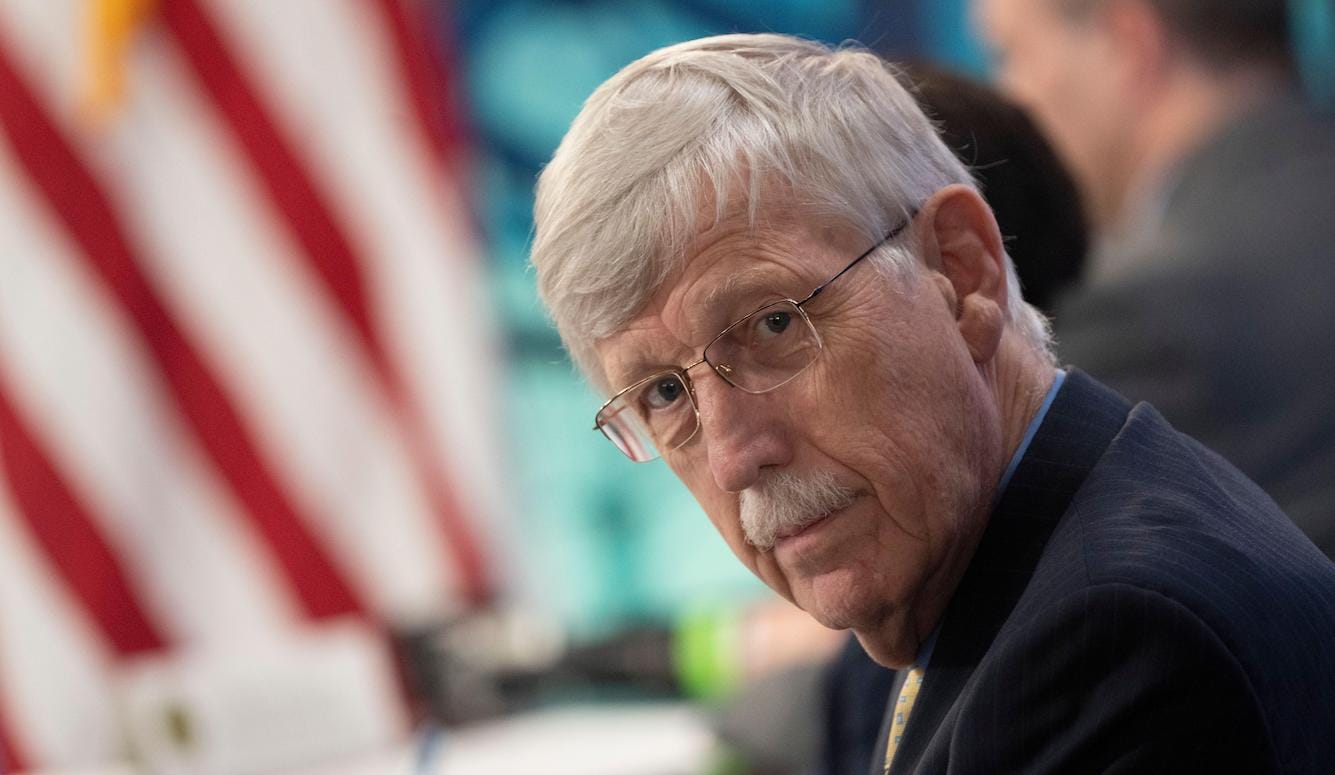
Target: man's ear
[[1142, 49], [962, 245]]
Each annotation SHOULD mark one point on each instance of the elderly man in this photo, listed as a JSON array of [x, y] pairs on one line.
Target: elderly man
[[759, 248], [1209, 182]]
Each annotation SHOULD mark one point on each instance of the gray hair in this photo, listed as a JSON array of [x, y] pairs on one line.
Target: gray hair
[[708, 121]]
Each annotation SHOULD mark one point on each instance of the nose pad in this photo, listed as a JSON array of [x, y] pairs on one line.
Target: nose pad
[[723, 370]]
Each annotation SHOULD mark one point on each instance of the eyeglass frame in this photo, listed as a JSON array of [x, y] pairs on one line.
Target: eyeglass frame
[[683, 373]]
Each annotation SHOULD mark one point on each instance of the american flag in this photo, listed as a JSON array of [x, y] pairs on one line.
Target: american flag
[[247, 371]]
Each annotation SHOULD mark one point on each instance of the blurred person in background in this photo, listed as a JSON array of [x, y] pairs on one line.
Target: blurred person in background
[[1029, 189], [1038, 210], [1071, 584], [1207, 177]]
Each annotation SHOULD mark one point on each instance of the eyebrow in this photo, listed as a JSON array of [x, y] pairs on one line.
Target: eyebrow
[[637, 370], [752, 281], [638, 367]]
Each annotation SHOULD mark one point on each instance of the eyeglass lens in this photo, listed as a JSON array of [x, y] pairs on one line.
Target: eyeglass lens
[[766, 349], [758, 353]]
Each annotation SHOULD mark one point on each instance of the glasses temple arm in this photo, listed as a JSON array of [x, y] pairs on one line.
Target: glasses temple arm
[[889, 236]]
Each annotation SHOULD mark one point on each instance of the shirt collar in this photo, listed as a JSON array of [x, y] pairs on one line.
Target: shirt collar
[[1029, 433]]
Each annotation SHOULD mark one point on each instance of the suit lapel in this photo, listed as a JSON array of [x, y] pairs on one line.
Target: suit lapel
[[1080, 424]]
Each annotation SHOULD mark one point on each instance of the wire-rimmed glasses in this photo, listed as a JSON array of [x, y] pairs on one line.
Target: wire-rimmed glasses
[[762, 351]]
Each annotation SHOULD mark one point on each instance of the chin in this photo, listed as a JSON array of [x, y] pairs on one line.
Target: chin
[[846, 600], [894, 653], [840, 599]]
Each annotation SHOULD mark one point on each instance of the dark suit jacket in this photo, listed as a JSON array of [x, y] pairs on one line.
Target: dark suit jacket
[[855, 696], [1135, 605]]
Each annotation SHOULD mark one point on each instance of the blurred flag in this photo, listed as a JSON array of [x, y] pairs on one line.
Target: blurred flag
[[247, 379]]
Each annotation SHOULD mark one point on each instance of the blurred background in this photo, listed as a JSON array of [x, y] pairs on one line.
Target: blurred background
[[294, 474]]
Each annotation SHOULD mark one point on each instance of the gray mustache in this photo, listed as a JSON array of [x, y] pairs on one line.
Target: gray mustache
[[784, 503]]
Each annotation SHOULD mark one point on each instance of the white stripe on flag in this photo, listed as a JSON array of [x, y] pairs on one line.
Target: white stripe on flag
[[287, 360], [79, 376], [57, 64], [55, 681], [421, 262], [87, 379]]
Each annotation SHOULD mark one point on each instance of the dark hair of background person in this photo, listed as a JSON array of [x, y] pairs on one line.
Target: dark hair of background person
[[1221, 33], [1033, 196]]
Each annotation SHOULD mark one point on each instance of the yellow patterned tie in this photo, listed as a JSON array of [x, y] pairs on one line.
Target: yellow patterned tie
[[908, 694]]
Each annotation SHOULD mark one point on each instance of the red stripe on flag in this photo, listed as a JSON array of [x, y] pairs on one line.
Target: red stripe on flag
[[11, 759], [85, 212], [434, 97], [476, 587], [71, 540], [289, 188], [437, 104], [327, 250]]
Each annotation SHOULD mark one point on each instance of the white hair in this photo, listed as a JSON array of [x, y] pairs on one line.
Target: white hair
[[718, 121]]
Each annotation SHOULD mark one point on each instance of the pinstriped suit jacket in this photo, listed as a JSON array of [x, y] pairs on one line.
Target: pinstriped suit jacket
[[1135, 605]]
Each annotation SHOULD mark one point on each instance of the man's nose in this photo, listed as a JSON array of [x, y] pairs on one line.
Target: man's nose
[[743, 432]]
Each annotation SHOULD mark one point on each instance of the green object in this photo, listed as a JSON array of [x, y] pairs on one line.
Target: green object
[[705, 652], [727, 761]]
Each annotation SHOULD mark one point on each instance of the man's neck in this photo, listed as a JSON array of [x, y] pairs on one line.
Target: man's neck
[[1021, 380], [1018, 378], [1192, 107]]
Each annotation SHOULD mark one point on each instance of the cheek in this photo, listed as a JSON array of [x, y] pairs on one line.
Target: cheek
[[1018, 77], [1081, 99], [1027, 72], [1043, 76], [895, 412]]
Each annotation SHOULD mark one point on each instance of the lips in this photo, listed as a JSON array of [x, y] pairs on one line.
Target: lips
[[802, 527], [797, 530]]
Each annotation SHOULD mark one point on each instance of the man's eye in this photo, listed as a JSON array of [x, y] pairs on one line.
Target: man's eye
[[663, 393], [774, 323]]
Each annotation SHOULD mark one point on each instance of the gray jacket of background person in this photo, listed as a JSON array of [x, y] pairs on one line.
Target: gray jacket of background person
[[1218, 307]]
